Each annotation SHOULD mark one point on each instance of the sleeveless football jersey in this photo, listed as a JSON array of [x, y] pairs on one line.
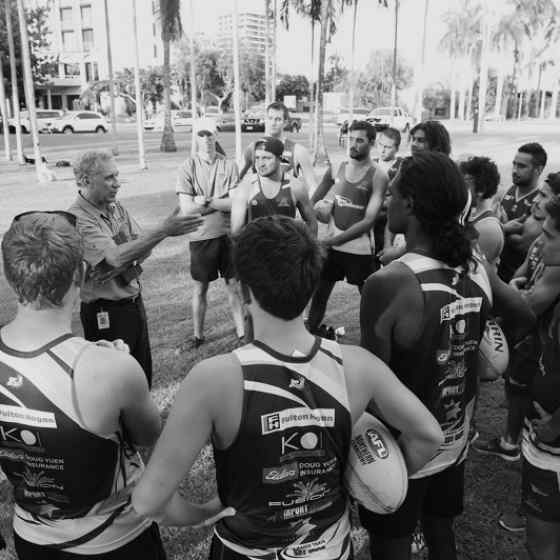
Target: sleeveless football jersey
[[281, 204], [350, 202], [68, 481], [286, 159], [441, 369], [545, 389], [514, 208], [284, 471]]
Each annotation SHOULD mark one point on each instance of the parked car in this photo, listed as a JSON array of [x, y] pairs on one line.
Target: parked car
[[344, 114], [80, 121], [396, 117], [255, 122], [45, 118], [180, 120]]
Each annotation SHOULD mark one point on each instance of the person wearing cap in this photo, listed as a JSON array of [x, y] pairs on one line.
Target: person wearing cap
[[295, 158], [270, 191], [73, 411], [114, 244], [203, 187]]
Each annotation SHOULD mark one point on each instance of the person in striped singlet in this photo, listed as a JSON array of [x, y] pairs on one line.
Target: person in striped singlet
[[71, 411], [279, 412]]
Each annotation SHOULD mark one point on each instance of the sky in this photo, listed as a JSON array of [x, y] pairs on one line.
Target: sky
[[374, 31]]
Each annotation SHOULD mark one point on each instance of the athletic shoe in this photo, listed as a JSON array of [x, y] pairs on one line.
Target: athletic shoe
[[496, 447], [418, 542], [513, 522]]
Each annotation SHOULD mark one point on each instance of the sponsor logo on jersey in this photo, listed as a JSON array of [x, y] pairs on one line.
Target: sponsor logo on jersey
[[303, 550], [296, 418], [282, 473], [27, 416], [284, 203], [442, 356], [296, 444], [343, 202], [460, 307], [302, 493], [17, 437], [317, 468], [297, 383], [15, 382], [377, 444]]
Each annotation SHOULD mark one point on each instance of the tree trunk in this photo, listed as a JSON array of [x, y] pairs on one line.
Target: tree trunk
[[321, 155], [483, 80], [111, 81], [499, 91], [419, 100], [13, 79], [236, 83], [193, 80], [273, 53], [452, 96], [554, 104], [267, 68], [395, 41], [167, 137], [29, 90], [4, 113], [139, 95], [312, 90], [470, 93], [462, 98], [353, 64]]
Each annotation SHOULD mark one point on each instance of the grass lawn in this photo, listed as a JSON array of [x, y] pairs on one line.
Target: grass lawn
[[492, 485]]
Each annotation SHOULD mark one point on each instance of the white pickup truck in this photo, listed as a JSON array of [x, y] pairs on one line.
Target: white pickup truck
[[391, 116]]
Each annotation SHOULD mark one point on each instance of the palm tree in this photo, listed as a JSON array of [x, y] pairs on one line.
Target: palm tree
[[236, 82], [171, 30], [267, 72], [419, 78], [353, 63], [192, 78]]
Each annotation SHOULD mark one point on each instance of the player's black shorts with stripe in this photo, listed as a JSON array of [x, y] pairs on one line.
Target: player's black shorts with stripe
[[211, 258], [355, 268]]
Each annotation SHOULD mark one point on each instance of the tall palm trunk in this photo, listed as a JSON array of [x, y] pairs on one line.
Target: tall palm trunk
[[167, 137], [554, 104], [462, 98], [4, 113], [14, 80], [273, 52], [267, 72], [321, 155], [193, 79], [29, 89], [395, 42], [452, 97], [312, 82], [353, 62], [483, 80], [419, 101], [139, 94], [236, 82], [499, 91]]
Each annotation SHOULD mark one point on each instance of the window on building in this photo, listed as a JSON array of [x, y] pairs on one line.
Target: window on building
[[85, 11], [92, 72], [66, 17], [68, 41], [71, 70], [87, 39]]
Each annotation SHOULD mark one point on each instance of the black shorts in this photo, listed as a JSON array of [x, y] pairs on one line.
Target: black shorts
[[146, 546], [523, 365], [438, 495], [211, 258], [355, 268], [540, 496]]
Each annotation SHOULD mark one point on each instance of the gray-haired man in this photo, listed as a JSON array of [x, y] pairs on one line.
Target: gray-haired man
[[114, 246]]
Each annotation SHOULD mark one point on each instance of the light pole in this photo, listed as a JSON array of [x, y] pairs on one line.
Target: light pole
[[139, 94]]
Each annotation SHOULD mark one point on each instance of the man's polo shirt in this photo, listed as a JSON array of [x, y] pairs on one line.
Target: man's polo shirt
[[100, 232], [198, 177]]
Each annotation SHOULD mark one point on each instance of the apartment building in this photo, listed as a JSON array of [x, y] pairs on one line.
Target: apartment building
[[79, 44], [252, 32]]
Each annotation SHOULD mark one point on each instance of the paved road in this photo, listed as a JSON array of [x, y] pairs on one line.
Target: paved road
[[21, 192]]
